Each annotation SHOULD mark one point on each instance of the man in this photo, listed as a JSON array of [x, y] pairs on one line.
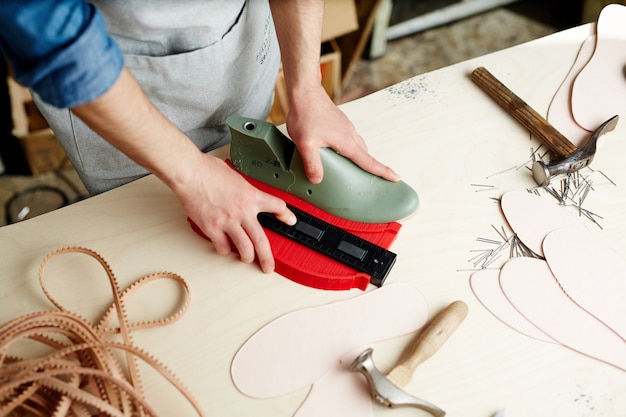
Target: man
[[186, 66]]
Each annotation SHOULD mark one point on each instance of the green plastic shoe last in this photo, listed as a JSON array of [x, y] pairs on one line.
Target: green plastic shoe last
[[261, 151]]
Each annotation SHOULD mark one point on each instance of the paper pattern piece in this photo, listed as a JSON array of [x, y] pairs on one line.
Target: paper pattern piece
[[560, 111], [486, 287], [296, 350], [595, 277], [338, 393], [530, 286], [599, 90], [532, 217], [574, 296]]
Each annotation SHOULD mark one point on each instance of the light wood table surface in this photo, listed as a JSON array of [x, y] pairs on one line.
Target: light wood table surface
[[442, 134]]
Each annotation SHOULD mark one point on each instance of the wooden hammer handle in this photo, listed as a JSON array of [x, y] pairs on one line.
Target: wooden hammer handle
[[522, 112], [428, 342]]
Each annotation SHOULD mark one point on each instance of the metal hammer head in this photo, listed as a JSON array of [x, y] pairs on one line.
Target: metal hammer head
[[384, 391], [580, 158]]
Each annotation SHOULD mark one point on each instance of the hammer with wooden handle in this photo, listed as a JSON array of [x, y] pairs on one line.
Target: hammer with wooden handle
[[569, 158], [387, 389]]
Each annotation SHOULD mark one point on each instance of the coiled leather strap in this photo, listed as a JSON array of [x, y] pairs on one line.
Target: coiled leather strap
[[78, 369]]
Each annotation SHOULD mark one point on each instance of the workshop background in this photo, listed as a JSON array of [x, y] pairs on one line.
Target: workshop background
[[368, 45]]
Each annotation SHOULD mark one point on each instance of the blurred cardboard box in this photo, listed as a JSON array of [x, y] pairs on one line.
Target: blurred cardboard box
[[340, 18]]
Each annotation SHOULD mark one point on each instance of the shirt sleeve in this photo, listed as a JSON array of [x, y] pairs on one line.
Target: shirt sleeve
[[60, 49]]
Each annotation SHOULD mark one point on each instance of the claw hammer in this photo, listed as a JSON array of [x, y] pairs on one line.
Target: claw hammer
[[569, 158]]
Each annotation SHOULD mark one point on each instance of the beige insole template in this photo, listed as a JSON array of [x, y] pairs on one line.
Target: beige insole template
[[591, 273], [316, 346], [573, 297], [531, 287], [599, 90], [486, 286], [594, 90], [560, 111], [532, 217]]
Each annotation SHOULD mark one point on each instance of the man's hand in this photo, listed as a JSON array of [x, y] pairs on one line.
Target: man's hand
[[216, 198], [322, 124], [225, 207], [314, 121]]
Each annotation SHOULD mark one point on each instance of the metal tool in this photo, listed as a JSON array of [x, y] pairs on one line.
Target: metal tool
[[569, 158], [580, 158], [387, 389]]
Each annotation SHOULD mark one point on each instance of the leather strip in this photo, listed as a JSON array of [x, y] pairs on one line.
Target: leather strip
[[80, 373]]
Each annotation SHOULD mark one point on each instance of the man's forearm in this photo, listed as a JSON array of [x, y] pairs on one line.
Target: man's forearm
[[299, 30], [126, 118]]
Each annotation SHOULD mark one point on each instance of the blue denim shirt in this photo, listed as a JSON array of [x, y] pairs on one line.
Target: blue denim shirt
[[60, 49]]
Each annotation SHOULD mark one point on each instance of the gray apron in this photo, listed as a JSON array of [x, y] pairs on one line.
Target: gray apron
[[199, 61]]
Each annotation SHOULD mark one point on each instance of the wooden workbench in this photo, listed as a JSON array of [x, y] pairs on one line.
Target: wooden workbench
[[442, 134]]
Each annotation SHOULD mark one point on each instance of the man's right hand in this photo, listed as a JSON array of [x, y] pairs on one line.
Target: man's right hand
[[225, 207]]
